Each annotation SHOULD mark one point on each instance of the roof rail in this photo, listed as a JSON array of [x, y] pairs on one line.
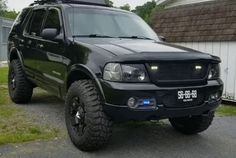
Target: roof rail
[[86, 2]]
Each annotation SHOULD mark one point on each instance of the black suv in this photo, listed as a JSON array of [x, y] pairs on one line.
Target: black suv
[[109, 66]]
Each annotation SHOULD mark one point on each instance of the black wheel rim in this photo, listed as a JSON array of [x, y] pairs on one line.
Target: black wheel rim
[[77, 116], [12, 80]]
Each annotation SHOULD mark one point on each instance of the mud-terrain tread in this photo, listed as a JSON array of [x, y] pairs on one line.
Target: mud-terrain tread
[[24, 89], [99, 125]]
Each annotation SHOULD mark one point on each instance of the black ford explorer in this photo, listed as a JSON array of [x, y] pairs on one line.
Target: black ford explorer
[[109, 66]]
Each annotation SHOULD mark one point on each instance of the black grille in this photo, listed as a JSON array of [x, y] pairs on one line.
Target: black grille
[[178, 72]]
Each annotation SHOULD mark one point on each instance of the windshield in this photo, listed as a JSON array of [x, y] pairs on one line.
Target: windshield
[[90, 22]]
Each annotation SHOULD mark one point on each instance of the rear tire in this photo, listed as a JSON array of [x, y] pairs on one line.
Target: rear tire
[[192, 125], [88, 126], [20, 89]]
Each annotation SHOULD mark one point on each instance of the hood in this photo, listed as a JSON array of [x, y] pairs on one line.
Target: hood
[[147, 50]]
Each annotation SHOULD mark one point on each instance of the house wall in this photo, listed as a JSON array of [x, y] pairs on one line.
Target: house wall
[[174, 3], [226, 51], [5, 27]]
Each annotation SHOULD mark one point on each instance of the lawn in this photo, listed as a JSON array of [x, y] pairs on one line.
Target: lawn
[[16, 125], [227, 110], [3, 75], [4, 99]]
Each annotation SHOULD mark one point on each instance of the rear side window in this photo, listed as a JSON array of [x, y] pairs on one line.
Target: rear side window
[[21, 17], [19, 23], [53, 20], [36, 22]]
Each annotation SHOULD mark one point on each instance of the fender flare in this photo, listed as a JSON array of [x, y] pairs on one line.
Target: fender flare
[[18, 53], [86, 70]]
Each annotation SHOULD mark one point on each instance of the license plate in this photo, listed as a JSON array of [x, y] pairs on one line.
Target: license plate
[[187, 95]]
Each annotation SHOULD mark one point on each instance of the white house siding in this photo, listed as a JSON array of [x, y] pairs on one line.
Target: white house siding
[[226, 51], [174, 3], [5, 26]]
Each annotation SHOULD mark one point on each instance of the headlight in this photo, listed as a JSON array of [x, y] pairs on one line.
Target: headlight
[[214, 72], [112, 72], [125, 72]]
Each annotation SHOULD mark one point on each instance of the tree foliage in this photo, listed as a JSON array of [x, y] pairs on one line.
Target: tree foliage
[[9, 14], [3, 5], [6, 13], [109, 2], [145, 11], [126, 7]]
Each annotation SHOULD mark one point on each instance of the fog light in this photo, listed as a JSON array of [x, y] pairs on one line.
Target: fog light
[[214, 96], [141, 103], [132, 103], [146, 102]]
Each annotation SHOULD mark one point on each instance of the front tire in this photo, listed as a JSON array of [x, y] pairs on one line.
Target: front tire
[[20, 89], [88, 126], [192, 125]]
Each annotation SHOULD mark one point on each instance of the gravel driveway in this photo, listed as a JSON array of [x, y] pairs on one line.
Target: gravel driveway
[[147, 141]]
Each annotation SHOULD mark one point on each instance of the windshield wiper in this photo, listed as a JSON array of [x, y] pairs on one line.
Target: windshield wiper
[[93, 36], [136, 37]]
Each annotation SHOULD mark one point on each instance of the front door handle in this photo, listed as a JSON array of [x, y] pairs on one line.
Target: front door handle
[[29, 42], [40, 46]]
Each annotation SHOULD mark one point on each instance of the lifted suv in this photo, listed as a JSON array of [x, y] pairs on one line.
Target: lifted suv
[[109, 66]]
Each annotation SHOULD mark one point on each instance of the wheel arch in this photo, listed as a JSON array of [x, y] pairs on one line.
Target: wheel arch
[[15, 54], [80, 72]]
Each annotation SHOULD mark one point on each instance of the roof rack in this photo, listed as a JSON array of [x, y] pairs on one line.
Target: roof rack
[[86, 2]]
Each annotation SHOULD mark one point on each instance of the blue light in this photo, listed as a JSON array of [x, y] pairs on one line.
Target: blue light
[[146, 102]]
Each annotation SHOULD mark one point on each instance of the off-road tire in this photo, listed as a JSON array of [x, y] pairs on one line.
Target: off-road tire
[[192, 125], [97, 131], [22, 91]]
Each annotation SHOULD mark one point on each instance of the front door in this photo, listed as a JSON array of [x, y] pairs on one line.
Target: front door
[[31, 36], [52, 63]]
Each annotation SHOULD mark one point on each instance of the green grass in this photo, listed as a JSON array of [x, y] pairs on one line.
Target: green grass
[[3, 75], [4, 97], [17, 125], [227, 110]]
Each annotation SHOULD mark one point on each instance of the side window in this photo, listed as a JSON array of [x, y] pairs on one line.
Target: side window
[[20, 20], [53, 20], [36, 22]]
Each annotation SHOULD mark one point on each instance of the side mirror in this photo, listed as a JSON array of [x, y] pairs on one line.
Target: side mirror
[[162, 38], [49, 33]]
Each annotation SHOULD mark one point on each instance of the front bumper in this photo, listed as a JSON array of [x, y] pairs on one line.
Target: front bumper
[[117, 95]]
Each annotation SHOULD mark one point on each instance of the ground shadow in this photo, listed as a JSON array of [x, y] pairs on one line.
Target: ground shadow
[[129, 140]]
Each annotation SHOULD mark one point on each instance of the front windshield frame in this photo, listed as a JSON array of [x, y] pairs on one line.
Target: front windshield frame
[[113, 11]]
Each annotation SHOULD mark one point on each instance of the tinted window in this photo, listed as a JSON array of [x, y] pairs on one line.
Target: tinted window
[[20, 18], [53, 20], [36, 22], [18, 24]]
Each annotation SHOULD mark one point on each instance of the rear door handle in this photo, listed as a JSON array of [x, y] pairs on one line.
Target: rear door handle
[[22, 41]]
